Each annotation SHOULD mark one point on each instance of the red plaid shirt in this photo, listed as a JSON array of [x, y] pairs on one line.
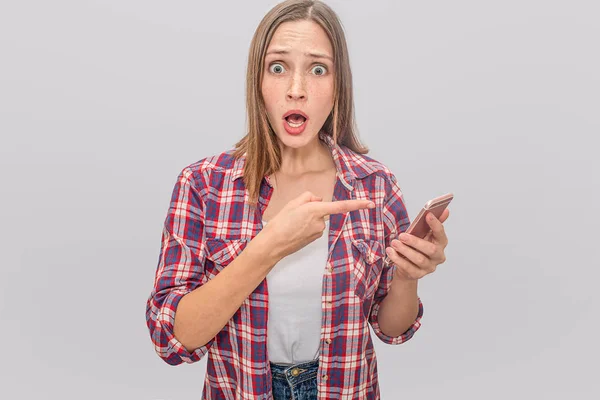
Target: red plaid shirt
[[209, 223]]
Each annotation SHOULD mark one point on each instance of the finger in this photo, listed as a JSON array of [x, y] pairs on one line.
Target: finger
[[424, 246], [420, 258], [428, 236], [442, 219], [403, 266], [437, 229], [341, 206], [444, 215]]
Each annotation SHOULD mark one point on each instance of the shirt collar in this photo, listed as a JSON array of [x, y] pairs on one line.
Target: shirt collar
[[348, 164]]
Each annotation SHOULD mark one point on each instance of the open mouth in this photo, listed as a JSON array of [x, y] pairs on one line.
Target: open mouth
[[295, 120]]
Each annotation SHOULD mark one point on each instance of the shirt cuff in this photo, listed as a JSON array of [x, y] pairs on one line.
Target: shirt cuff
[[395, 339], [166, 345]]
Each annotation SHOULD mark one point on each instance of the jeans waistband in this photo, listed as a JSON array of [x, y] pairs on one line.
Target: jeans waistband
[[295, 373]]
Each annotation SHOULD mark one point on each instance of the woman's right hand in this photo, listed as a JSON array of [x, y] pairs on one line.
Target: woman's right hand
[[302, 220]]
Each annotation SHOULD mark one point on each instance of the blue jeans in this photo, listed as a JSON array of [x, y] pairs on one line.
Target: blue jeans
[[297, 382]]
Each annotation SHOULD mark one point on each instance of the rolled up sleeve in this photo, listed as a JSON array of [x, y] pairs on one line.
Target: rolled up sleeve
[[407, 335], [396, 221], [180, 270]]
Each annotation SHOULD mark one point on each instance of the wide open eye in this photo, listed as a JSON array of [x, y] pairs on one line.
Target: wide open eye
[[276, 68], [319, 70]]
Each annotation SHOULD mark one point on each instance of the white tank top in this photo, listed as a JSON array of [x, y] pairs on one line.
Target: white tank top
[[295, 287]]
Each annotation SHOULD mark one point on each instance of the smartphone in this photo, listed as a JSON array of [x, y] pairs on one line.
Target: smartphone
[[419, 226]]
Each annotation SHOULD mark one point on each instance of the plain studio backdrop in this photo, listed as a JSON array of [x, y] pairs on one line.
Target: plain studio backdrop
[[102, 103]]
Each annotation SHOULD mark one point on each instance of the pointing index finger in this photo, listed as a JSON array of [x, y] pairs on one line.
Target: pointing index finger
[[341, 206]]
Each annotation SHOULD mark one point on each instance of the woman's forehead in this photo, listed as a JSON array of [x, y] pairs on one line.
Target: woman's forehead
[[303, 36]]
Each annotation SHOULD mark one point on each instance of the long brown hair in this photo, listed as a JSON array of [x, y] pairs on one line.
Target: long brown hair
[[263, 155]]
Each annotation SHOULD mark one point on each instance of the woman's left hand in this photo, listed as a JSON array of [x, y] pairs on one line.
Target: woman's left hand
[[415, 257]]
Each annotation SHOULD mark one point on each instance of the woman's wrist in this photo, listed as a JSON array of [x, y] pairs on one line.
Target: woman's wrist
[[265, 248]]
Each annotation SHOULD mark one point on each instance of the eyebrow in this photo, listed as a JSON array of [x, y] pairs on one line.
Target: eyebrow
[[309, 54]]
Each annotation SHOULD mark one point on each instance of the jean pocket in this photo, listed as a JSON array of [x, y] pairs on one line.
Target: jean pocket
[[366, 266]]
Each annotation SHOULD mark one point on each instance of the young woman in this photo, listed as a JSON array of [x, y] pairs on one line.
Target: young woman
[[273, 258]]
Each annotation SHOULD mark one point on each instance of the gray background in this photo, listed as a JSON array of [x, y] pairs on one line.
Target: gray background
[[102, 103]]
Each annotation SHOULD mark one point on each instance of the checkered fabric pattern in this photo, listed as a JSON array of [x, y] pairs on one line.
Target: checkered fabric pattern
[[208, 224]]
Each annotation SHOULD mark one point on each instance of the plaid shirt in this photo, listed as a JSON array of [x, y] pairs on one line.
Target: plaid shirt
[[208, 224]]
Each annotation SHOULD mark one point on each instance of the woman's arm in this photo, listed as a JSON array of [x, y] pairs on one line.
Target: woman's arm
[[399, 309], [185, 311], [203, 312]]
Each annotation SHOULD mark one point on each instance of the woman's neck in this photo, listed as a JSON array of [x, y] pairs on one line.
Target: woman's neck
[[314, 157]]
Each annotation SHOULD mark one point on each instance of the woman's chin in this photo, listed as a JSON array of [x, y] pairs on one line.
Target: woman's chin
[[296, 141]]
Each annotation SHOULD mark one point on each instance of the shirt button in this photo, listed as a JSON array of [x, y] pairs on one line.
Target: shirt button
[[328, 341], [324, 377], [329, 302], [330, 269]]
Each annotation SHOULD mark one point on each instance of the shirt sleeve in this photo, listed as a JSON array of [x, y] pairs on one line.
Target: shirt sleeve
[[180, 270], [396, 221]]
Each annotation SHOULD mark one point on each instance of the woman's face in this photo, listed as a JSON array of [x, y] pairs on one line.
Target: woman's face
[[298, 82]]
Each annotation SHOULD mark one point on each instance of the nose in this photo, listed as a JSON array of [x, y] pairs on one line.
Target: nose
[[296, 90]]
